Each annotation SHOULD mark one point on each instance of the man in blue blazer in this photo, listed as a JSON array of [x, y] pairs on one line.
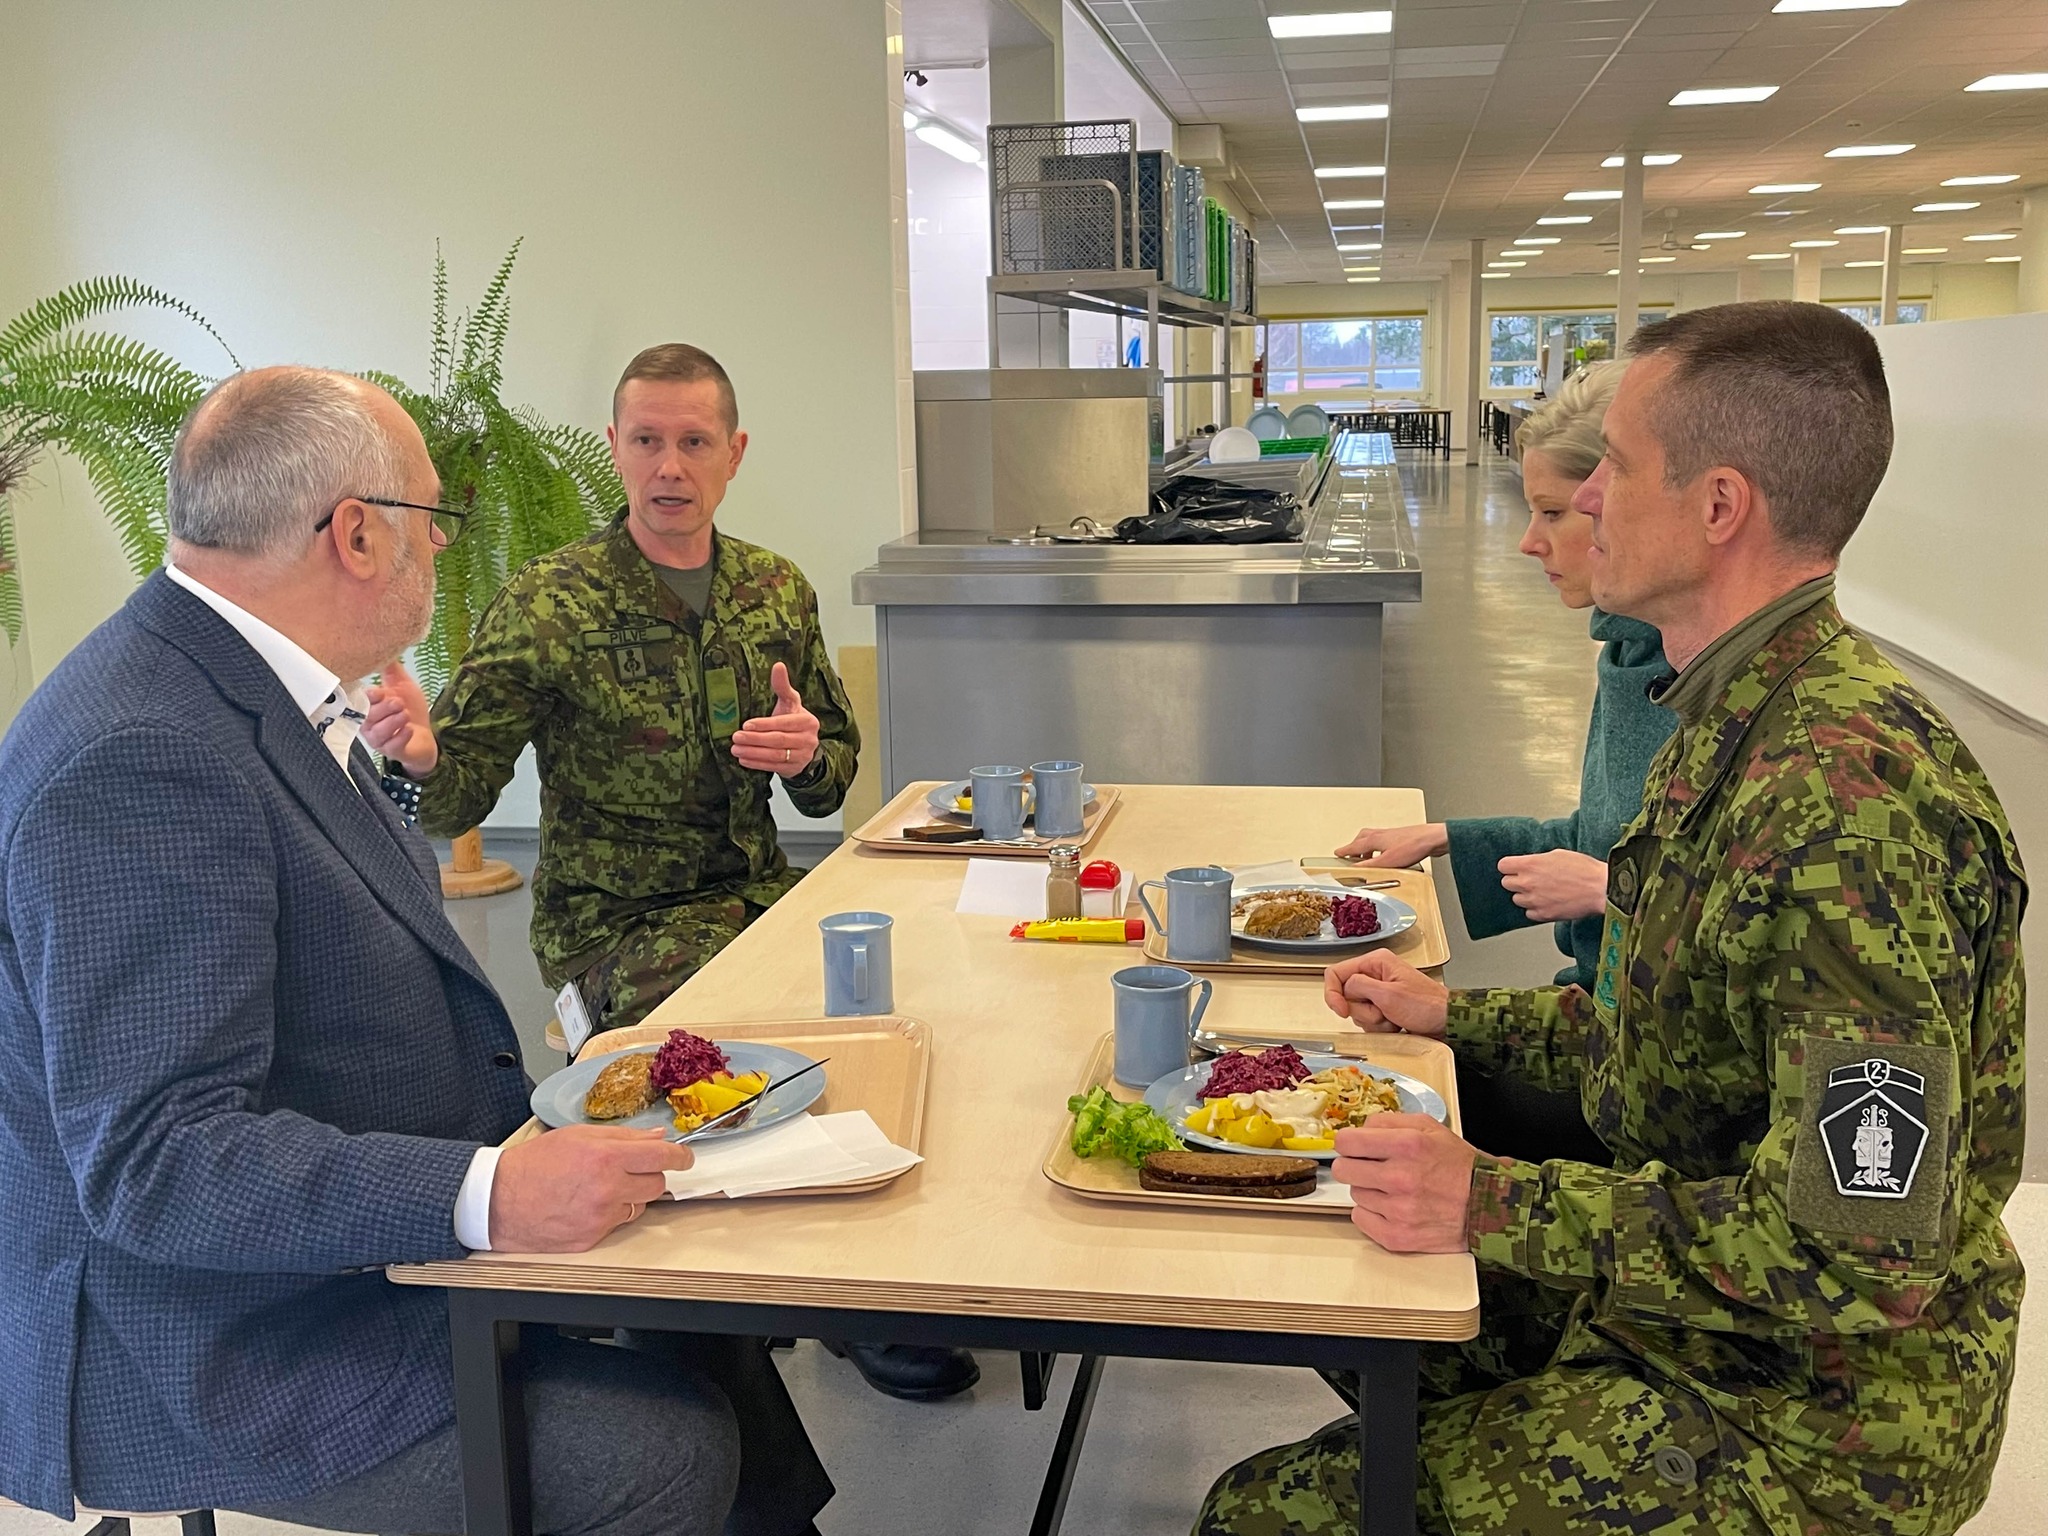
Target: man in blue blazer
[[245, 1061]]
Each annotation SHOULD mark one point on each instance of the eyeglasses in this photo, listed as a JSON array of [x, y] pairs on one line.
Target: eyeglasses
[[447, 520]]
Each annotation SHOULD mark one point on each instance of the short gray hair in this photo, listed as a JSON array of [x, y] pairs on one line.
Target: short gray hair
[[267, 454], [1568, 428]]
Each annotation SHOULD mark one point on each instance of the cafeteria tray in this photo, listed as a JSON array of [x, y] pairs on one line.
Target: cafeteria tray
[[884, 829], [1425, 946], [1111, 1178], [879, 1063]]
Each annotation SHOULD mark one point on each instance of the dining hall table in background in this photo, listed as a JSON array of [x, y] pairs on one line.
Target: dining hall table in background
[[975, 1248]]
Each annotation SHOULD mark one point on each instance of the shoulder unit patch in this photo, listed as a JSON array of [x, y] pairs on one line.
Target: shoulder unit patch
[[1872, 1147]]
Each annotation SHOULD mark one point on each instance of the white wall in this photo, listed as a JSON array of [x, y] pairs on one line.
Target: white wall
[[1952, 560], [678, 171]]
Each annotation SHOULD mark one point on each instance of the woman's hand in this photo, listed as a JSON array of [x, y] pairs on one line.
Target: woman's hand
[[1397, 847], [1556, 887]]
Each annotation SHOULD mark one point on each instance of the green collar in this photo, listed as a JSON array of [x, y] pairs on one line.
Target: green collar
[[1709, 676], [640, 584]]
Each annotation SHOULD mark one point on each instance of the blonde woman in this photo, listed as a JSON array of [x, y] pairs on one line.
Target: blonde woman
[[1515, 870]]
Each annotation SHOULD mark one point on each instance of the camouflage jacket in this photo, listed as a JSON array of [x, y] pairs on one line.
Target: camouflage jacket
[[1805, 1048], [587, 654]]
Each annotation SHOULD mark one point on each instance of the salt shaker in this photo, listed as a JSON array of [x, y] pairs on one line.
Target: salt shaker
[[1063, 881]]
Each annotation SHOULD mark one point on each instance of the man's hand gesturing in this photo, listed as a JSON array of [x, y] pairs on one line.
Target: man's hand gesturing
[[783, 741], [398, 725]]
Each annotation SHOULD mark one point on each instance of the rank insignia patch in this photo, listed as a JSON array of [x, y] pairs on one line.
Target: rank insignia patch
[[1873, 1122]]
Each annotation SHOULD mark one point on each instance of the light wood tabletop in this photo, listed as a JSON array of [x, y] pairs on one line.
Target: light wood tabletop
[[977, 1229]]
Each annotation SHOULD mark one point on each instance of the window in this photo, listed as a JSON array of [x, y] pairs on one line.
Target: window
[[1909, 313], [1381, 353], [1514, 357]]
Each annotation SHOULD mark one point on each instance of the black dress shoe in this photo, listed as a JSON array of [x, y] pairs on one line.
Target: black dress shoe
[[914, 1372]]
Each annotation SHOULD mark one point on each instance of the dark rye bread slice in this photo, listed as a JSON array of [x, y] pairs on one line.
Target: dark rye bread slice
[[1246, 1175]]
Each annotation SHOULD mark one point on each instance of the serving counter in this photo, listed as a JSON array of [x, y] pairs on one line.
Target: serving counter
[[1194, 664]]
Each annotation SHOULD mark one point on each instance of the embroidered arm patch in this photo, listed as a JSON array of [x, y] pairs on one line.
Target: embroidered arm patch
[[1872, 1150]]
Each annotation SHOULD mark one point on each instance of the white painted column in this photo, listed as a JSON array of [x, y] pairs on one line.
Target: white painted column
[[1454, 315], [1628, 280], [1894, 260], [1749, 282], [1475, 349], [1806, 276], [2032, 250]]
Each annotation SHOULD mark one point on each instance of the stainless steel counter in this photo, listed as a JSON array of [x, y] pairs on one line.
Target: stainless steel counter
[[1191, 664]]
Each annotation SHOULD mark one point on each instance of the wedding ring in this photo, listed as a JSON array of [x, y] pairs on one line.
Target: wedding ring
[[787, 753]]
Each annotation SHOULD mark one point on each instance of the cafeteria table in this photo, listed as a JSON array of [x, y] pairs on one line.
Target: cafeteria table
[[975, 1248], [1410, 426]]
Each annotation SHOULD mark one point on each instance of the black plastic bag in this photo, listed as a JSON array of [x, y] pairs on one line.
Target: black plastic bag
[[1192, 510]]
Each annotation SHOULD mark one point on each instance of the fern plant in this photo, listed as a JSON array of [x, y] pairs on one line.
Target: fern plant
[[111, 402], [528, 486]]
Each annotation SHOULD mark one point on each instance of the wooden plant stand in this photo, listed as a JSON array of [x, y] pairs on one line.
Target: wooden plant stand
[[469, 873]]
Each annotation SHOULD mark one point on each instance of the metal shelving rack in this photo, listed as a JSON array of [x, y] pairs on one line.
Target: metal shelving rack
[[1092, 211]]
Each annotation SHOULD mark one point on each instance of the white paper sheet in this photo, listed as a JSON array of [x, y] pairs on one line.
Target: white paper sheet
[[1015, 888], [806, 1152], [1284, 872]]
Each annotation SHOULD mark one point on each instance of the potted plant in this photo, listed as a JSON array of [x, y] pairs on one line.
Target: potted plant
[[111, 402], [528, 487]]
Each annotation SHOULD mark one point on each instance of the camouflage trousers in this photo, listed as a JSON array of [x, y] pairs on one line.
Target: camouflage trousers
[[656, 953], [1511, 1444]]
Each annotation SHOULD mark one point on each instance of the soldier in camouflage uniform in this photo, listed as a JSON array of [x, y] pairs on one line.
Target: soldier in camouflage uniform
[[1790, 1306], [663, 692]]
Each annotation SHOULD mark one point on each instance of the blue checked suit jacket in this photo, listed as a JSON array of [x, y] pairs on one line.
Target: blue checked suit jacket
[[244, 1061]]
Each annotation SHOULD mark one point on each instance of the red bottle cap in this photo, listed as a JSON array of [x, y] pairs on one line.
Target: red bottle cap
[[1102, 875], [1134, 927]]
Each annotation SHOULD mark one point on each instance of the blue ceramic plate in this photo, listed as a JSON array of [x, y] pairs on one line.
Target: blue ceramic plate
[[1178, 1094], [559, 1100], [941, 799], [1396, 917]]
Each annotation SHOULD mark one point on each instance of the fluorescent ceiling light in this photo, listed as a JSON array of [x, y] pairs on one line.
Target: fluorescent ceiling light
[[1372, 247], [1615, 162], [1540, 240], [1770, 255], [1507, 263], [1591, 197], [1721, 234], [1356, 202], [2001, 258], [1331, 172], [1926, 250], [1813, 245], [1792, 7], [1568, 218], [1860, 151], [1978, 181], [2009, 83], [1648, 260], [948, 142], [1861, 229], [1862, 263], [1696, 246], [1785, 213], [1945, 207], [1722, 95], [1352, 114], [1774, 188], [1490, 275], [1361, 279], [1614, 271], [1991, 237], [1333, 24]]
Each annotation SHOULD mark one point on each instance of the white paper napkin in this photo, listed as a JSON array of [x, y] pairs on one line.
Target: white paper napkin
[[1015, 888], [801, 1153]]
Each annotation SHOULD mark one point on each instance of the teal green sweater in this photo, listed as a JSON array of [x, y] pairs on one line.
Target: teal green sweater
[[1624, 734]]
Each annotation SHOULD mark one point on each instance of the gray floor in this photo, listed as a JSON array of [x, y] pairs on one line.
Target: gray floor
[[1487, 688]]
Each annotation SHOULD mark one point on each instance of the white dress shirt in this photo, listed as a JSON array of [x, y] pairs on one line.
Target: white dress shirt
[[336, 711]]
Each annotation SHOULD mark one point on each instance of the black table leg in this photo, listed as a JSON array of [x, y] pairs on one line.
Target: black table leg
[[1386, 1438], [1066, 1451], [1037, 1368], [490, 1416]]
